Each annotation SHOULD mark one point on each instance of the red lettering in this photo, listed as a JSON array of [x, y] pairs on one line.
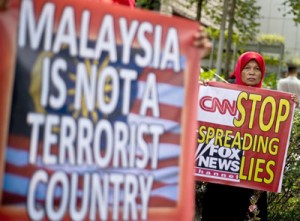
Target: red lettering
[[211, 104], [204, 106]]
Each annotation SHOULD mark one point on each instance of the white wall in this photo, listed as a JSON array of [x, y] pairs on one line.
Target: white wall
[[273, 22]]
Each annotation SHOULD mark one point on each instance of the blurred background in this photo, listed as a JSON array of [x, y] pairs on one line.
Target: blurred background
[[270, 27]]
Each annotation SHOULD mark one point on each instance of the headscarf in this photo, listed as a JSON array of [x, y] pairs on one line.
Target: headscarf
[[241, 63]]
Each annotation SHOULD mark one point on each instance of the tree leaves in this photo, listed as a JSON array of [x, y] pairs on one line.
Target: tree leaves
[[294, 9], [246, 13]]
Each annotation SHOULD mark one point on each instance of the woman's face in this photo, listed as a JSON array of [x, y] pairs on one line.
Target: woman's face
[[251, 73]]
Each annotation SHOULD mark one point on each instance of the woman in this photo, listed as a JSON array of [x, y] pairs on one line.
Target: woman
[[228, 203]]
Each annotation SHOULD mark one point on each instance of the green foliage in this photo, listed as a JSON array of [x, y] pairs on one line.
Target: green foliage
[[270, 39], [215, 33], [245, 20], [271, 60], [294, 9], [191, 2], [207, 75], [213, 11], [270, 81], [148, 4], [286, 205]]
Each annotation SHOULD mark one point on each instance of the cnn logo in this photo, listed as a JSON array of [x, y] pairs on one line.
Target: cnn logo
[[213, 104]]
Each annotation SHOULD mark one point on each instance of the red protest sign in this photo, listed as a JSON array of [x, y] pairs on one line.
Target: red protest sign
[[243, 135], [100, 110]]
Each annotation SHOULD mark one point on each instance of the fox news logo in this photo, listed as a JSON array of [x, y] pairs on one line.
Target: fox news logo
[[217, 161]]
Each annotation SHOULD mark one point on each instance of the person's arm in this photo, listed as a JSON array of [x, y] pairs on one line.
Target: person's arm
[[281, 87], [295, 99], [202, 42]]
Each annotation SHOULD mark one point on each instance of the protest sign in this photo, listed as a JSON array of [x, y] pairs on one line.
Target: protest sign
[[243, 135], [97, 109]]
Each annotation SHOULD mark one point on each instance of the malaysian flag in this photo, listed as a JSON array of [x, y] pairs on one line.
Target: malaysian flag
[[19, 171]]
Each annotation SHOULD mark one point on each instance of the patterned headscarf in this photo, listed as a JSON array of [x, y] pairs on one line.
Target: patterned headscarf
[[241, 63]]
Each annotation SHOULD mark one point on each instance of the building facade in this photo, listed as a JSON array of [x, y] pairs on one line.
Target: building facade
[[273, 21]]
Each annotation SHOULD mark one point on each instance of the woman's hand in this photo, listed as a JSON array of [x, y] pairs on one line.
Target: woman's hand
[[295, 99], [204, 83], [202, 42]]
